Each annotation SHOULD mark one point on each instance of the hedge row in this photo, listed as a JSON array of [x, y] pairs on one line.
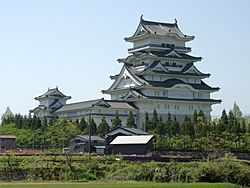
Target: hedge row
[[226, 171]]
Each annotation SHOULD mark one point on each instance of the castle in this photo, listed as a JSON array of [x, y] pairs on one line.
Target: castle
[[157, 74]]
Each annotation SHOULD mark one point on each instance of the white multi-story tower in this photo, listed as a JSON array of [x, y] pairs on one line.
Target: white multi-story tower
[[160, 74]]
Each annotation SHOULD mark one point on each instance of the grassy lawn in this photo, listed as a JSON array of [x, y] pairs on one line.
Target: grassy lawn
[[118, 185]]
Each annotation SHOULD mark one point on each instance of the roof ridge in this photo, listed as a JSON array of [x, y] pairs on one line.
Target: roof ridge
[[155, 22]]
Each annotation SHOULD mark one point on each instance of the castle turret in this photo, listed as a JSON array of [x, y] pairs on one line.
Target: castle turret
[[49, 102], [160, 74]]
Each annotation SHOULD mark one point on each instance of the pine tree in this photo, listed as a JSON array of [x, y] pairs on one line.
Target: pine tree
[[130, 120], [160, 128], [77, 122], [223, 122], [103, 127], [91, 127], [116, 122], [187, 128], [248, 128], [38, 123], [243, 126], [82, 125], [147, 122], [236, 111], [169, 124], [231, 121], [184, 126], [154, 120], [33, 122], [175, 127], [195, 117]]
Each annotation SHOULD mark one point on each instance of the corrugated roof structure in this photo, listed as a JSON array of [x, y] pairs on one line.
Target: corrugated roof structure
[[140, 139], [8, 136]]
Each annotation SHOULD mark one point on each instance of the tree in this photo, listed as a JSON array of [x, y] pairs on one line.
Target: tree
[[77, 121], [231, 122], [82, 125], [187, 128], [223, 122], [130, 120], [201, 125], [243, 126], [175, 127], [160, 128], [91, 126], [248, 128], [35, 123], [169, 125], [236, 111], [147, 122], [103, 127], [154, 120], [195, 116], [60, 133], [116, 122]]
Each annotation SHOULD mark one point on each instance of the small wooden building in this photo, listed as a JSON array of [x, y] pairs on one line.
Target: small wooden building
[[7, 142], [81, 144], [132, 145]]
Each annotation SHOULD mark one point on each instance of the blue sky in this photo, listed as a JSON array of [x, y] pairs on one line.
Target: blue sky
[[75, 44]]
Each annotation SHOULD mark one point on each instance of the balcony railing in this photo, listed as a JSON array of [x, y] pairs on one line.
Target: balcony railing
[[163, 45]]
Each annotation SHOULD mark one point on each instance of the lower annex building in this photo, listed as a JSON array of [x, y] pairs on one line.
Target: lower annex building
[[157, 74]]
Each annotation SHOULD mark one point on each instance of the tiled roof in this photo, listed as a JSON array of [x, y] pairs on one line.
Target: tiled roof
[[168, 83], [178, 99], [54, 93], [132, 131], [180, 55], [172, 82], [86, 138], [87, 104], [160, 29]]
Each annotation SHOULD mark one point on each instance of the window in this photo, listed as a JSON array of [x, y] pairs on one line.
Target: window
[[200, 95], [158, 106], [165, 93], [166, 106], [191, 107], [157, 93]]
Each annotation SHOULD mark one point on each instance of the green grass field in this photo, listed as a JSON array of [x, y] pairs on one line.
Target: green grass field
[[118, 185]]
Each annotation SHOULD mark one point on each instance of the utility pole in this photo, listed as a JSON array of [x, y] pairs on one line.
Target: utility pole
[[33, 141], [90, 121], [0, 144]]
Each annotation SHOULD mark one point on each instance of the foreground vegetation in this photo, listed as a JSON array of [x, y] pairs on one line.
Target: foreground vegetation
[[112, 168], [229, 133], [122, 185]]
